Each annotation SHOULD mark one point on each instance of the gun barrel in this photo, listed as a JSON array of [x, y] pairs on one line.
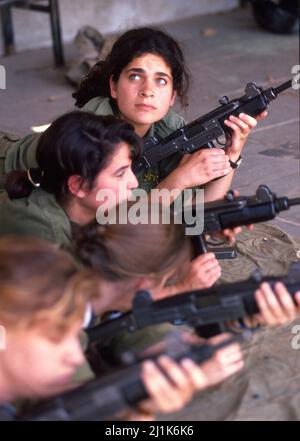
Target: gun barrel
[[294, 201], [283, 87]]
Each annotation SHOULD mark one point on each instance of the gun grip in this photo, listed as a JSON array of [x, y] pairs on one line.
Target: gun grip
[[199, 245]]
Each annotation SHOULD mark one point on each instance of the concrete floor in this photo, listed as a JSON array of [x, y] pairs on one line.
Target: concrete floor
[[224, 52]]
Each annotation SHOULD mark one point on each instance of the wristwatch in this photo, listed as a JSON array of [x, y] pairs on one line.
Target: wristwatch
[[235, 165]]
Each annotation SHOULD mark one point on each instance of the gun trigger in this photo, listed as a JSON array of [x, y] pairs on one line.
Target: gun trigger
[[211, 145], [230, 196], [222, 144]]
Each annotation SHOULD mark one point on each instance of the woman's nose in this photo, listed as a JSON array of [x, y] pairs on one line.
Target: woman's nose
[[146, 93], [75, 355], [147, 90], [133, 182]]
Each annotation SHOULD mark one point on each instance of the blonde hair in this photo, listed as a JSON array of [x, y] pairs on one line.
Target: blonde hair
[[40, 283], [122, 251]]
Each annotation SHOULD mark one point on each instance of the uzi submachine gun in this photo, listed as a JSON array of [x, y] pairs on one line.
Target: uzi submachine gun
[[206, 310], [209, 130], [237, 211]]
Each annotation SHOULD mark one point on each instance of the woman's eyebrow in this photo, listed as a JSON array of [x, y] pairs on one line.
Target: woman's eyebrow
[[140, 70], [121, 169], [162, 74]]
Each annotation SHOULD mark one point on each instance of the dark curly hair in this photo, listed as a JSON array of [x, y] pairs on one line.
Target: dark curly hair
[[77, 143], [130, 45]]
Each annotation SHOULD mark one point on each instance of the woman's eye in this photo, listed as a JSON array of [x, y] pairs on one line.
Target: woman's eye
[[161, 81], [120, 174], [134, 76]]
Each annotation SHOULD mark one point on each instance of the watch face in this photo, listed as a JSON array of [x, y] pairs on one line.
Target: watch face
[[236, 164]]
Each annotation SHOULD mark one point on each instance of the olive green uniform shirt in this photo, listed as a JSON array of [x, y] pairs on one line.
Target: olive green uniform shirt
[[39, 215]]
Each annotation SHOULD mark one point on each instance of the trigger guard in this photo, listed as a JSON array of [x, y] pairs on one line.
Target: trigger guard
[[221, 143], [228, 139]]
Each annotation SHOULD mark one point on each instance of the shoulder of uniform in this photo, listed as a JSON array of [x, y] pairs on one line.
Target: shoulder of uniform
[[99, 105], [172, 121]]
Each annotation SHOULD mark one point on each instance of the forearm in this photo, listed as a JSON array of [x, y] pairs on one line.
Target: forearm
[[191, 175], [215, 190], [174, 180], [173, 183]]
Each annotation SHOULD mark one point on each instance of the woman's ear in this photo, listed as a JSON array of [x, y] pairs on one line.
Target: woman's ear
[[145, 283], [173, 99], [113, 87], [76, 187]]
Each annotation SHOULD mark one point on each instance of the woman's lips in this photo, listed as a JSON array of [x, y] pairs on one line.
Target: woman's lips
[[65, 379], [145, 107]]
